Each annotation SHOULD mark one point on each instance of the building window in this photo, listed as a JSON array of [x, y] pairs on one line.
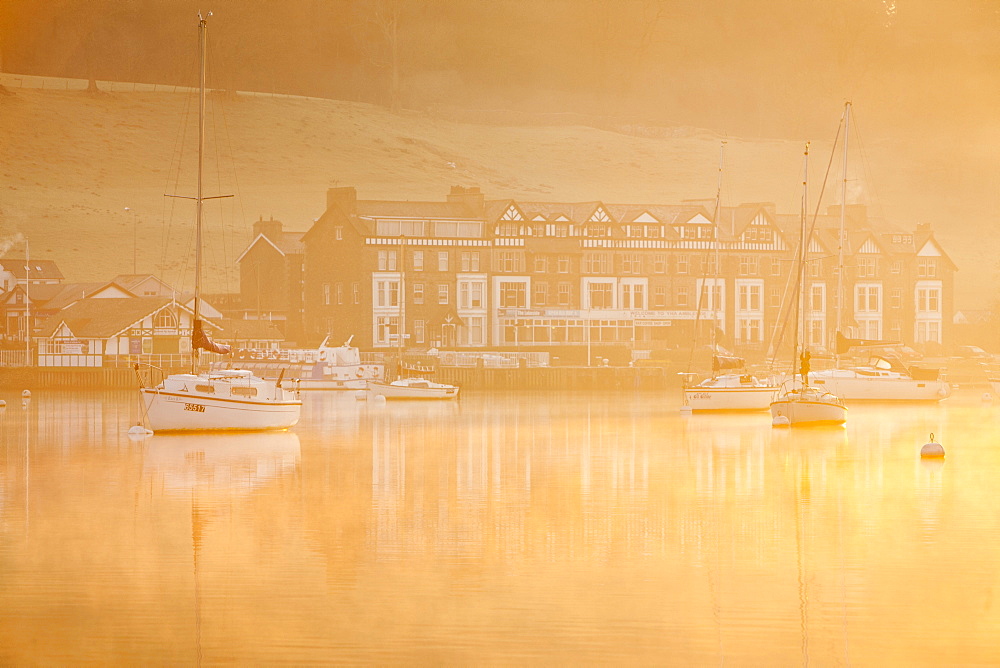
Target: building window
[[928, 331], [660, 296], [418, 260], [387, 293], [596, 263], [564, 294], [817, 298], [338, 232], [774, 296], [633, 296], [418, 293], [470, 294], [541, 294], [631, 263], [387, 260], [867, 266], [896, 298], [929, 300], [470, 261], [748, 297], [775, 266], [659, 263], [683, 263], [442, 260], [896, 267], [165, 320], [508, 261], [512, 295], [386, 329], [600, 295], [326, 294], [926, 267], [340, 293], [563, 264], [541, 264], [475, 330], [683, 295], [420, 330], [356, 289], [867, 298], [442, 293]]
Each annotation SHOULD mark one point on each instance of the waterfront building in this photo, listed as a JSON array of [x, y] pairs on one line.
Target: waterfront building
[[586, 278]]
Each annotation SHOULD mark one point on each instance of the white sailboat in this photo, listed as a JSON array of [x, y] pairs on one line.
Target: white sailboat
[[798, 403], [722, 391], [881, 379], [231, 399], [410, 383]]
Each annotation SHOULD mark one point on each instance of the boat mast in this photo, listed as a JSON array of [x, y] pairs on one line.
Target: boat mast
[[800, 329], [715, 232], [402, 304], [202, 30], [843, 228]]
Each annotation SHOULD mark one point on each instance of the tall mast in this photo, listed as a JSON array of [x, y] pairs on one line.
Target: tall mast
[[715, 232], [202, 31], [800, 328], [843, 228]]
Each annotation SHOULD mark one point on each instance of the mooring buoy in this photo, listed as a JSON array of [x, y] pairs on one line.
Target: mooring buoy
[[932, 449]]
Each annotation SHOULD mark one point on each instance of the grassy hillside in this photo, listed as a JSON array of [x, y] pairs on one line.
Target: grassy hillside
[[70, 163]]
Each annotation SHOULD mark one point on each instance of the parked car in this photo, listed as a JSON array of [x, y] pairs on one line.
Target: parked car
[[973, 352]]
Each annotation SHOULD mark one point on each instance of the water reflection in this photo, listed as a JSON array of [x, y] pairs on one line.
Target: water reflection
[[501, 528]]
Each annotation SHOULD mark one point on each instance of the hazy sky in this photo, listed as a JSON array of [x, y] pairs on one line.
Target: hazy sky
[[764, 68]]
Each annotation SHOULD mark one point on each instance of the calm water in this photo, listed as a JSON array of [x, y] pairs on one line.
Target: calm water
[[500, 529]]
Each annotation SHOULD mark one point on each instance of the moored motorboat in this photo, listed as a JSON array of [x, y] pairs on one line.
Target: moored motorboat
[[413, 388]]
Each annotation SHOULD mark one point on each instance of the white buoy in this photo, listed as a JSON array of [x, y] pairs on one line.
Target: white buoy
[[932, 449], [26, 394], [3, 404], [361, 395], [780, 421], [379, 399], [987, 396]]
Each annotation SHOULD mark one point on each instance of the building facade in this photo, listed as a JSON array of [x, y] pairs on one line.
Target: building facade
[[476, 274]]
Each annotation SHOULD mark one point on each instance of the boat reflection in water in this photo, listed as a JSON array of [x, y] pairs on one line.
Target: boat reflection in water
[[233, 461]]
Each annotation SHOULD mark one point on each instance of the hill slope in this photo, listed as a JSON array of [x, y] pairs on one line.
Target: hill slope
[[71, 162]]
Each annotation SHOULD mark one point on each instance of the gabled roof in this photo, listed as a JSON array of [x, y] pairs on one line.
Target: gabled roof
[[104, 318], [39, 270], [132, 282]]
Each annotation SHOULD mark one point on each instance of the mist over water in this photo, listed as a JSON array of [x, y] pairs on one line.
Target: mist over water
[[501, 528]]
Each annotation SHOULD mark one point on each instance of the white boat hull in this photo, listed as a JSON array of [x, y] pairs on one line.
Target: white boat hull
[[813, 410], [729, 398], [426, 390], [212, 402], [851, 386]]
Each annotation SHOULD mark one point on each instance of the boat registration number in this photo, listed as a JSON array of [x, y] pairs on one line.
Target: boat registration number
[[700, 395], [197, 408]]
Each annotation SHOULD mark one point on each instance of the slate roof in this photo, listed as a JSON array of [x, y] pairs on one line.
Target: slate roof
[[233, 328], [103, 318], [40, 269]]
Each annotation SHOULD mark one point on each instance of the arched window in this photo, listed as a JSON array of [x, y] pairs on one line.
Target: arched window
[[165, 320]]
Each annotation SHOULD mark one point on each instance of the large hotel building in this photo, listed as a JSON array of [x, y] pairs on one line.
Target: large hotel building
[[469, 273]]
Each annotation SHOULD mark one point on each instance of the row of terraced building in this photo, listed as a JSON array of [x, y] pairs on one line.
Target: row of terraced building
[[469, 273]]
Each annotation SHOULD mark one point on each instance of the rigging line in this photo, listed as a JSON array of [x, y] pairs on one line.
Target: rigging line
[[219, 109], [867, 168]]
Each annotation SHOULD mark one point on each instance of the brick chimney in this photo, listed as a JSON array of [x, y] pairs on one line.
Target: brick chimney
[[269, 228], [345, 198], [471, 197]]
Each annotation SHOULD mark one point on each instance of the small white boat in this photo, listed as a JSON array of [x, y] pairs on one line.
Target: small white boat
[[413, 388], [808, 406], [234, 400], [730, 392]]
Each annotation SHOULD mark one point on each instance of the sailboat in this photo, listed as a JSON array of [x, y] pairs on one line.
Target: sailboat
[[230, 399], [411, 382], [799, 403], [882, 379], [729, 388]]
